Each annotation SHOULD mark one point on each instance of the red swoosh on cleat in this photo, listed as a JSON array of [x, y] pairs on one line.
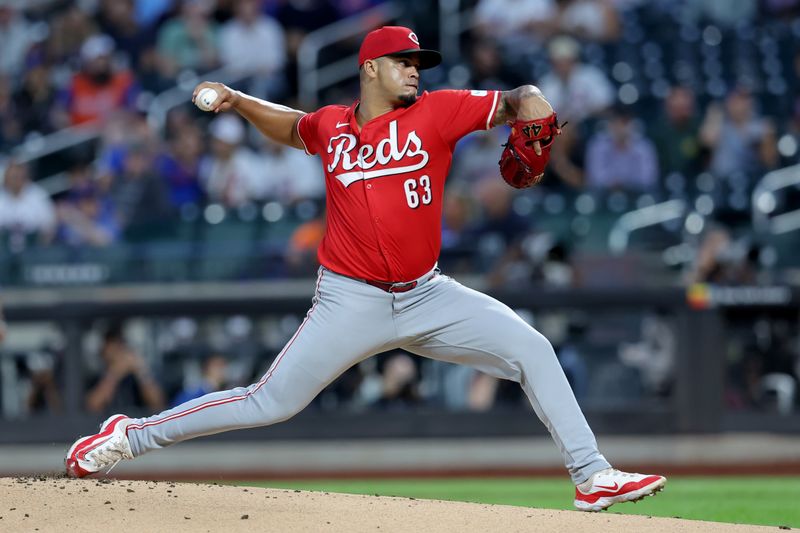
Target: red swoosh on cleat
[[615, 486]]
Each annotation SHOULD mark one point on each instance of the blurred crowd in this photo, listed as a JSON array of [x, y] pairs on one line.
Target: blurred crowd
[[646, 122], [693, 100], [100, 65]]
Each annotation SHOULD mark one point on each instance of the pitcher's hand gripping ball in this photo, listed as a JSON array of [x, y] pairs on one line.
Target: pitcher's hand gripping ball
[[520, 165], [205, 99]]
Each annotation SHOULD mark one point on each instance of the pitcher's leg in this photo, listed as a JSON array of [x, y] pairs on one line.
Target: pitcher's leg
[[346, 324], [282, 392], [459, 325]]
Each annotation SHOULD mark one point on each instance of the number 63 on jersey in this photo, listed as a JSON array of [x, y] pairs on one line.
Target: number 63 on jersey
[[417, 192]]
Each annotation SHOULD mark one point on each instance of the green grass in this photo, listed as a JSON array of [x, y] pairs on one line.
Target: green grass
[[745, 500]]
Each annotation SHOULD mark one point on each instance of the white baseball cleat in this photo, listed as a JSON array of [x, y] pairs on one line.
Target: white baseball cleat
[[95, 452], [610, 486]]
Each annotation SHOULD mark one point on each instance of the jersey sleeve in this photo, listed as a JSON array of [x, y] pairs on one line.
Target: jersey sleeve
[[307, 128], [460, 112]]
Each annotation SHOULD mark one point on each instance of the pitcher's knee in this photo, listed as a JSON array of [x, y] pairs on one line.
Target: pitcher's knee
[[542, 345], [530, 342], [534, 352], [267, 409]]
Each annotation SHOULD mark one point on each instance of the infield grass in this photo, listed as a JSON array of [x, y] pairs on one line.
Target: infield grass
[[772, 501]]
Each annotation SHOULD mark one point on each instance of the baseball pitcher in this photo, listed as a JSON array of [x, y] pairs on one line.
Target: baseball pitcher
[[386, 158]]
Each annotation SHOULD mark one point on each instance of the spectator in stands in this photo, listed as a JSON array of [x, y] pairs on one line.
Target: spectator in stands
[[3, 325], [726, 13], [69, 30], [457, 211], [516, 24], [138, 194], [230, 173], [36, 375], [120, 133], [787, 9], [11, 131], [572, 357], [476, 156], [292, 177], [26, 211], [739, 139], [498, 218], [621, 157], [189, 41], [653, 354], [87, 218], [394, 386], [589, 20], [789, 144], [300, 17], [567, 160], [118, 20], [675, 133], [179, 167], [214, 371], [151, 72], [552, 261], [126, 381], [400, 383], [537, 259], [486, 66], [35, 101], [38, 370], [253, 43], [150, 12], [720, 259], [99, 88], [576, 90], [16, 37], [347, 8], [80, 176], [499, 227], [301, 253]]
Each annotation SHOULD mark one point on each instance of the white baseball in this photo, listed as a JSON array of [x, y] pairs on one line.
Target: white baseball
[[206, 98]]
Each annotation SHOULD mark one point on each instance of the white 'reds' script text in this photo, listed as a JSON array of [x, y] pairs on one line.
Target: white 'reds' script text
[[343, 145]]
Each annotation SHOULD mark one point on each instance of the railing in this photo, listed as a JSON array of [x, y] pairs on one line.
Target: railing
[[641, 218], [764, 202], [38, 147], [41, 146], [314, 78], [182, 92], [453, 21], [450, 28]]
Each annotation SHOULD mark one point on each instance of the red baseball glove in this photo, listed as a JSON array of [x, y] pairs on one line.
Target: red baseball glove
[[520, 165]]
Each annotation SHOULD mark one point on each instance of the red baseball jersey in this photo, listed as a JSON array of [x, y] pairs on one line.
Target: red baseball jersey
[[385, 181]]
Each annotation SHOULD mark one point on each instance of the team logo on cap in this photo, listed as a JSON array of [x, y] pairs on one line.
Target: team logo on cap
[[413, 37]]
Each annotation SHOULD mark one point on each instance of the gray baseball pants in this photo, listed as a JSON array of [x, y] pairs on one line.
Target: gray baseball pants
[[350, 321]]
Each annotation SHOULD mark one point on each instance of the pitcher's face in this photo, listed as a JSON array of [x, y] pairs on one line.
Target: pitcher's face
[[399, 78]]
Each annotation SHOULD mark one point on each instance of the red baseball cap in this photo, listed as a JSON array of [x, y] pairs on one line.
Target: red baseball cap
[[396, 40]]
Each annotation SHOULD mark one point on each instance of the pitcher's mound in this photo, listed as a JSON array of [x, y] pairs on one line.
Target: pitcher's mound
[[89, 506]]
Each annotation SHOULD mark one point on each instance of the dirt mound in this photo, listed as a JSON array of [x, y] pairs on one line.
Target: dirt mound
[[103, 505]]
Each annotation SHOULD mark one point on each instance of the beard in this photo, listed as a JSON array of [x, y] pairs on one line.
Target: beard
[[407, 99]]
